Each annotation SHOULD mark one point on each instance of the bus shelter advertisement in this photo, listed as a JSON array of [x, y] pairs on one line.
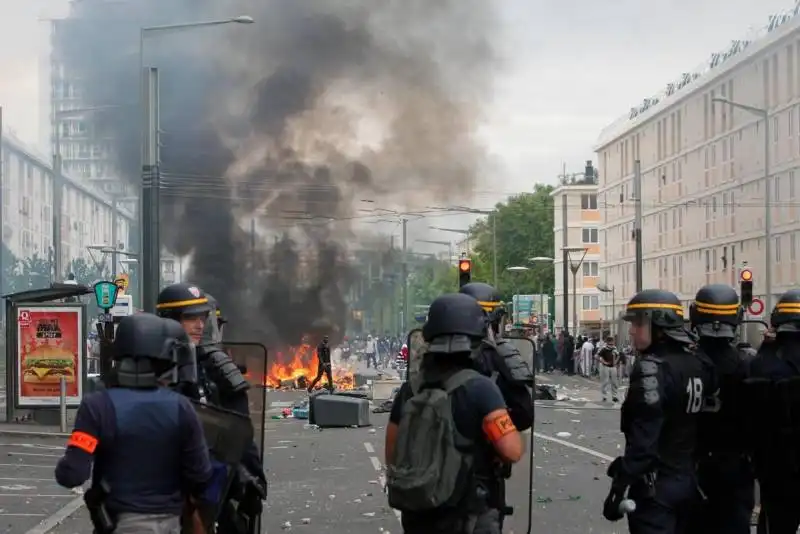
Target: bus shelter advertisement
[[50, 345]]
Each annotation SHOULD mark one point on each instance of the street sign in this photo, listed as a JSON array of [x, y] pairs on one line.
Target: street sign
[[756, 307], [105, 294], [105, 317], [122, 282]]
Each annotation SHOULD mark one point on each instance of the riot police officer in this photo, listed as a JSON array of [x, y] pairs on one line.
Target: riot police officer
[[145, 440], [774, 395], [724, 471], [501, 359], [659, 418], [455, 328], [223, 381]]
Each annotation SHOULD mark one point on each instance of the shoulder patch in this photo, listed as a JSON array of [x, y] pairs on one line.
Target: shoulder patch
[[649, 367]]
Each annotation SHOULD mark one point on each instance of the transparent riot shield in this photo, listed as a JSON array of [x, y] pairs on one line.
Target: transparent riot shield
[[527, 350], [228, 435], [416, 350]]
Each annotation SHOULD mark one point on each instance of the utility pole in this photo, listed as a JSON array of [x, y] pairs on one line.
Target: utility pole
[[494, 247], [151, 183], [58, 196], [114, 237], [565, 254], [2, 226], [404, 316], [637, 222]]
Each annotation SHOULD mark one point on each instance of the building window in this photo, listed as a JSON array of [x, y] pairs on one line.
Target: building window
[[590, 235], [588, 202], [169, 267], [590, 268], [591, 302]]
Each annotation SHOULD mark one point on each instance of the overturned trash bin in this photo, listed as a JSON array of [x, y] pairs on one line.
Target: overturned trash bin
[[327, 410]]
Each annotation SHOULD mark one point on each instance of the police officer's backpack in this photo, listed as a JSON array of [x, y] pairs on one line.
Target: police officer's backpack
[[433, 461]]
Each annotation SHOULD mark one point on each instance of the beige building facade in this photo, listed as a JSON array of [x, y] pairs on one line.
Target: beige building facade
[[584, 220], [702, 167]]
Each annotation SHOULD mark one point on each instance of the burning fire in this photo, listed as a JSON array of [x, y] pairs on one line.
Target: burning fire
[[297, 366]]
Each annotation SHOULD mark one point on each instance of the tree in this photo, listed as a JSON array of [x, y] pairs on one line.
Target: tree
[[10, 270], [87, 272], [33, 273], [524, 230]]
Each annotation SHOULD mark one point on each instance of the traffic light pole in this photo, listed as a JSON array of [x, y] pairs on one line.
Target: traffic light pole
[[404, 307]]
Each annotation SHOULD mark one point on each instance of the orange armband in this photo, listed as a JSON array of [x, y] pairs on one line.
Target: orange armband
[[83, 441], [498, 426]]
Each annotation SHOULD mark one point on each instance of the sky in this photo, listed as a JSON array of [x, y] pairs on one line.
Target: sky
[[570, 67]]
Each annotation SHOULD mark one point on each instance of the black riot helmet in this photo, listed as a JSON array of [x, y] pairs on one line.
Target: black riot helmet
[[456, 322], [489, 299], [662, 311], [212, 331], [146, 347], [715, 311], [182, 299], [786, 315]]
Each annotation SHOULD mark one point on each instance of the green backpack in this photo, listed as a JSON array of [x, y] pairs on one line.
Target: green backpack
[[433, 462]]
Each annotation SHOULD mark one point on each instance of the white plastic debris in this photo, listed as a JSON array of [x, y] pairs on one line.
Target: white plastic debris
[[563, 434], [286, 525], [368, 514], [356, 500]]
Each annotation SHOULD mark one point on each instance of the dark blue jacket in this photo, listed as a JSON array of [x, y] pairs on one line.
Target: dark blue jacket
[[147, 444]]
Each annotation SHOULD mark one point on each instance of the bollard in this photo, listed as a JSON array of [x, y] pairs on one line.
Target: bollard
[[62, 405]]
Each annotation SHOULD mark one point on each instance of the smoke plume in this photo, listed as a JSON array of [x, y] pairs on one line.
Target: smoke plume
[[273, 133]]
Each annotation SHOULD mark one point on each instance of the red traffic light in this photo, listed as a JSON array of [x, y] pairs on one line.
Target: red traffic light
[[464, 265], [746, 275]]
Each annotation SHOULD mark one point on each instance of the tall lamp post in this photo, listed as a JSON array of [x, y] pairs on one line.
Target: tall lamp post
[[574, 267], [764, 114], [150, 244], [613, 290]]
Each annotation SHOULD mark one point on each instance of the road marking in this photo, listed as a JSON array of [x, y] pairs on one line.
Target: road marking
[[29, 495], [375, 462], [587, 450], [21, 515], [369, 447], [28, 479], [58, 517], [39, 454], [28, 465], [573, 412]]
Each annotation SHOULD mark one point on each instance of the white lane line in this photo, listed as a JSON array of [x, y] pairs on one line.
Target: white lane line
[[375, 463], [587, 450], [21, 515], [39, 454], [49, 523], [30, 495], [25, 479], [369, 447], [29, 465]]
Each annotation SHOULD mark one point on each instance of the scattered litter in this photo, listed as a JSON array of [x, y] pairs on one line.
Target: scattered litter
[[575, 420], [384, 407], [286, 525], [368, 514], [548, 500], [310, 427], [77, 491], [563, 434], [306, 520], [331, 497], [372, 430], [356, 500]]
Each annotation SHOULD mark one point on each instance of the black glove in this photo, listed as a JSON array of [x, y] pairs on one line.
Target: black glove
[[611, 506]]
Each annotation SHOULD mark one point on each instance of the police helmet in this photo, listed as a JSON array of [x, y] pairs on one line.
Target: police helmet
[[662, 309], [488, 297], [455, 322], [145, 335], [786, 315], [181, 299], [715, 311]]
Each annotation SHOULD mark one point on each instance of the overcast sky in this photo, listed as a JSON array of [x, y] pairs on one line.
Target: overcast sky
[[571, 67]]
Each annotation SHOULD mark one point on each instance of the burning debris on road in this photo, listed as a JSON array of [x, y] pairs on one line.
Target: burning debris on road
[[296, 367]]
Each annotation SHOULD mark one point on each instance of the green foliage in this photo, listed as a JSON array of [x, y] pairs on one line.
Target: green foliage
[[87, 272], [32, 273], [524, 230]]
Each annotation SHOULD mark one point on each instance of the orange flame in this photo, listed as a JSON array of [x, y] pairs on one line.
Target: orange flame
[[296, 362]]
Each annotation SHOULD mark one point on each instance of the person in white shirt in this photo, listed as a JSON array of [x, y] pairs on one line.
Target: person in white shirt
[[587, 352], [371, 350]]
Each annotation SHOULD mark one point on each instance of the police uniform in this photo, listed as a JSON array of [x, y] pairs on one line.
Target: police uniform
[[223, 385], [145, 441], [454, 330], [774, 395], [724, 470], [659, 419]]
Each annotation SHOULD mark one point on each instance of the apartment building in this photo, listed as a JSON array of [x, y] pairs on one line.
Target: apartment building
[[702, 168], [578, 200], [27, 214]]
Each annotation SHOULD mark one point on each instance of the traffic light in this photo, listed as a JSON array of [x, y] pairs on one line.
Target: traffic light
[[464, 271], [746, 286]]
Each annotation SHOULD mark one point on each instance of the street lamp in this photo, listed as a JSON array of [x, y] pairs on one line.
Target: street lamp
[[150, 194], [613, 290], [574, 267], [763, 113]]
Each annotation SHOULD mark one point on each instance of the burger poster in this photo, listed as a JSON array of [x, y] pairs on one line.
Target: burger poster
[[50, 345]]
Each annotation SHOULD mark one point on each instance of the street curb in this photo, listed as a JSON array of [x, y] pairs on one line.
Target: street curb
[[33, 434]]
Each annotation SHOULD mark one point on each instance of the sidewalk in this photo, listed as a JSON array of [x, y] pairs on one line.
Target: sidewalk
[[32, 429]]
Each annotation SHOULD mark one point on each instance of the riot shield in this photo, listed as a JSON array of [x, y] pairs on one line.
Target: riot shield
[[527, 350], [228, 435], [252, 360], [416, 350]]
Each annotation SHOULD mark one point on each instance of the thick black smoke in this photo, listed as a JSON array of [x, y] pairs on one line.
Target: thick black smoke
[[284, 126]]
